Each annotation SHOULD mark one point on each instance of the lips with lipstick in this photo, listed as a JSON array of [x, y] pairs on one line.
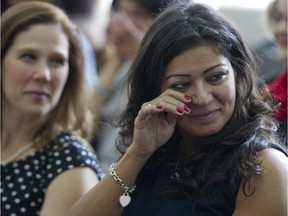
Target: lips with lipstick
[[204, 115]]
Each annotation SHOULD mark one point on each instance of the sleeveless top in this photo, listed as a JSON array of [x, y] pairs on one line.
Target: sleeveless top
[[156, 195], [24, 182]]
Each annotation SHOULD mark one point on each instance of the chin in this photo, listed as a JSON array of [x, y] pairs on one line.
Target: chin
[[37, 111], [205, 132]]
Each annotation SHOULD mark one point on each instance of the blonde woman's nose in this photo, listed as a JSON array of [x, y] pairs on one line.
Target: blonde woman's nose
[[42, 72]]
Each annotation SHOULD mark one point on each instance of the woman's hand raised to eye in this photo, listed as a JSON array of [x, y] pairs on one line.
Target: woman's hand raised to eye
[[156, 121]]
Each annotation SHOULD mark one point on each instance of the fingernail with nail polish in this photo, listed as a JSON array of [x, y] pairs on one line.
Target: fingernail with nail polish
[[187, 98], [187, 109], [179, 110], [159, 107]]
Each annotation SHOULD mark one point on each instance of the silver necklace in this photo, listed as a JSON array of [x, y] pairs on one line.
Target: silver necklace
[[175, 175], [20, 151]]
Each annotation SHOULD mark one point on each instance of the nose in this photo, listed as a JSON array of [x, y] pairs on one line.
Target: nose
[[42, 72], [202, 95]]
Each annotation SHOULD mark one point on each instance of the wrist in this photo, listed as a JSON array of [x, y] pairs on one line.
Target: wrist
[[125, 197], [125, 172], [138, 156]]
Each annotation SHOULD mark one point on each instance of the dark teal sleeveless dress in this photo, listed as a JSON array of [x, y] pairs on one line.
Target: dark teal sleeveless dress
[[154, 196]]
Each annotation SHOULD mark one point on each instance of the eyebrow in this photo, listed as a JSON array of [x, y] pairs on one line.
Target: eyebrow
[[187, 75], [34, 50]]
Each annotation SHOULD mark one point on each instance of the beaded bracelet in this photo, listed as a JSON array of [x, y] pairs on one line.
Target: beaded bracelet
[[125, 197]]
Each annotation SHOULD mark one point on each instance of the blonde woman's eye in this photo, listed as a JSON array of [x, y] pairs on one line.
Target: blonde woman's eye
[[58, 62], [28, 57]]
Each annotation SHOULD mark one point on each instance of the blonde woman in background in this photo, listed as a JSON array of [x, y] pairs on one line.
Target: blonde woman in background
[[46, 164]]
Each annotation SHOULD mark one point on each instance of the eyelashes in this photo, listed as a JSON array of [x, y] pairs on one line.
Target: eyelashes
[[54, 61], [219, 76], [213, 79], [58, 62], [28, 57], [180, 86]]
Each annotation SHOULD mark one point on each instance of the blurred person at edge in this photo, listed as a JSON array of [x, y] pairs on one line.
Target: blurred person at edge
[[129, 21], [46, 164], [277, 16]]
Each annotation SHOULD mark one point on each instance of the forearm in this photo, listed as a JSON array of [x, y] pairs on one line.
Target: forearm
[[103, 199]]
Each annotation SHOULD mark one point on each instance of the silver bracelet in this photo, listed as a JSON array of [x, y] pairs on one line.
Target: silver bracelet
[[125, 197]]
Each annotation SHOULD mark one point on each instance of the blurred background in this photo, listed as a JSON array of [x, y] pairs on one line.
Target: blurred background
[[251, 18]]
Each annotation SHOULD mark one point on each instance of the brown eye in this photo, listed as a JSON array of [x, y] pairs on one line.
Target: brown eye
[[180, 86], [218, 76]]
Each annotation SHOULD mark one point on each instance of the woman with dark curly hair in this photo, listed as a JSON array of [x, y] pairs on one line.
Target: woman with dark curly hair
[[198, 132]]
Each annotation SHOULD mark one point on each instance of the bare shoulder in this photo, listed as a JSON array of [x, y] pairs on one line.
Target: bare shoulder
[[270, 188], [274, 161], [66, 189]]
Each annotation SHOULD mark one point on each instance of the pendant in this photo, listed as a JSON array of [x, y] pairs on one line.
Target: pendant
[[124, 199]]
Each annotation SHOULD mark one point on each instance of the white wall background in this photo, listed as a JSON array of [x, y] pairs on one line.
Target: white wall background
[[259, 4], [251, 19], [248, 15]]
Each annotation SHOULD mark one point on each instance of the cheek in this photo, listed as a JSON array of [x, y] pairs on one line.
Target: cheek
[[60, 80], [63, 79], [230, 105], [13, 74], [226, 95], [58, 87]]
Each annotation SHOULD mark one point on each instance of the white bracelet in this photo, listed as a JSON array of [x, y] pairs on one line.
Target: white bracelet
[[125, 197]]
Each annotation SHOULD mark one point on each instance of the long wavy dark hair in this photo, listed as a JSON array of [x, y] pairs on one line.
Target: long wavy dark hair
[[231, 154]]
